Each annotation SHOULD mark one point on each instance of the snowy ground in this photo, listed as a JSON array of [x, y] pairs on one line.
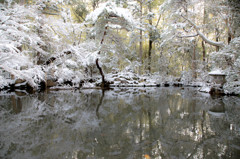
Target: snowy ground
[[129, 79]]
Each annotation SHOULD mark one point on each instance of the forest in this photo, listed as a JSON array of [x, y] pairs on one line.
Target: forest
[[126, 79], [102, 43]]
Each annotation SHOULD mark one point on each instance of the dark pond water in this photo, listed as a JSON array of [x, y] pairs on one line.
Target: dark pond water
[[168, 123]]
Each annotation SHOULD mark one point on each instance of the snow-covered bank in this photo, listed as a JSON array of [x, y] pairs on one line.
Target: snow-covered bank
[[123, 79]]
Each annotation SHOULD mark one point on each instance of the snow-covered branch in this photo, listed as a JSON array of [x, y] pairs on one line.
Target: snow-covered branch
[[187, 36], [204, 38], [112, 14]]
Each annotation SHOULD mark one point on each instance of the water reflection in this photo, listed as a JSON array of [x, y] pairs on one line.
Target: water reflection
[[120, 123]]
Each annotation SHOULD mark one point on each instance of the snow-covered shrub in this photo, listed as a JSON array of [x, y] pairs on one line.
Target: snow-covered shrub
[[228, 59], [73, 66], [186, 77], [3, 82], [232, 87]]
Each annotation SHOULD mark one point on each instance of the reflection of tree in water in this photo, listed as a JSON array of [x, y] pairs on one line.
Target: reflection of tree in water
[[100, 103], [122, 124], [195, 133], [12, 103]]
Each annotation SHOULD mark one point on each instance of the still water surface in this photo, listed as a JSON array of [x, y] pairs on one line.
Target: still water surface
[[168, 123]]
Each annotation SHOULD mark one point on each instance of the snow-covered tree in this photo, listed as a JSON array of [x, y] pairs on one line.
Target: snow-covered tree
[[30, 37], [106, 20], [192, 29], [20, 44]]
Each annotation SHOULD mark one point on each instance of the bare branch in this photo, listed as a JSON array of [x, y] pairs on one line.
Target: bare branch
[[49, 13], [158, 20]]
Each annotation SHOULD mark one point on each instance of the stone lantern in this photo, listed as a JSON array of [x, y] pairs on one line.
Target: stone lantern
[[6, 74], [217, 77]]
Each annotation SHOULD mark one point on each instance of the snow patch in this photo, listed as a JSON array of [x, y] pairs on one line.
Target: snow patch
[[205, 89], [216, 72], [89, 85]]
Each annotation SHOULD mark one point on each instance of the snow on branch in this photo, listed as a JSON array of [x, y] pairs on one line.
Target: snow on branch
[[113, 14], [187, 36], [214, 43]]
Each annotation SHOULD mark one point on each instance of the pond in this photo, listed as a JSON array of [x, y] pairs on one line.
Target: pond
[[124, 123]]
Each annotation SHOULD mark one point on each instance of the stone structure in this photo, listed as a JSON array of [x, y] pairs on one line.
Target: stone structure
[[217, 77], [6, 74]]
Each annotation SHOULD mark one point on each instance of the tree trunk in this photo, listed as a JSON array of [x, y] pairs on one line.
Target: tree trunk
[[217, 38], [150, 53], [150, 39], [204, 52], [194, 66], [141, 36], [103, 84], [229, 37], [230, 34], [205, 18], [101, 73]]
